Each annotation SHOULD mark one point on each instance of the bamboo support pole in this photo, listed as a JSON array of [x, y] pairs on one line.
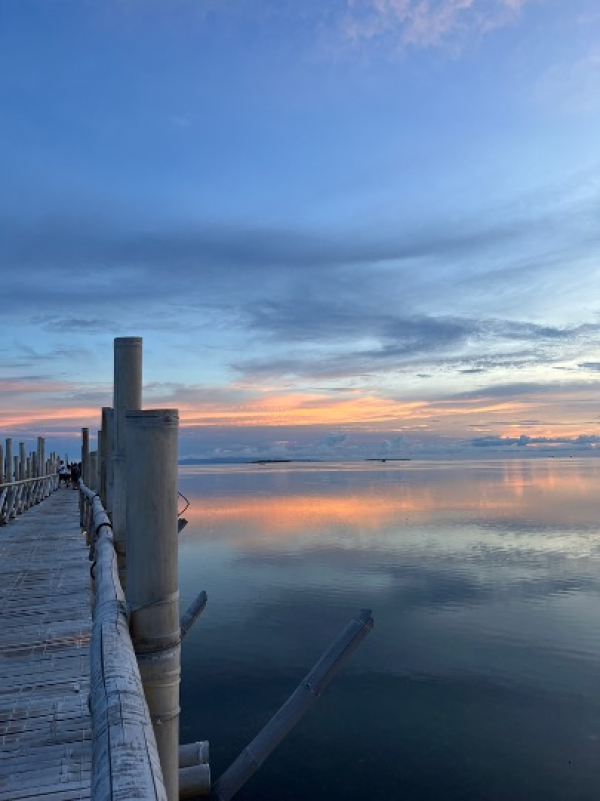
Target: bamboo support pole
[[305, 695], [41, 456], [152, 573], [127, 395], [194, 770], [22, 461], [85, 456], [193, 754], [85, 452], [93, 471], [194, 781], [8, 478], [194, 610], [106, 458]]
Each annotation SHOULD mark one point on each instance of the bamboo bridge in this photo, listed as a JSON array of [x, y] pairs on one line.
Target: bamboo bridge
[[90, 626]]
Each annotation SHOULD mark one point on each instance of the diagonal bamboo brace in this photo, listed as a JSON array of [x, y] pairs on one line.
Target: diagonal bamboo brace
[[294, 708], [193, 611]]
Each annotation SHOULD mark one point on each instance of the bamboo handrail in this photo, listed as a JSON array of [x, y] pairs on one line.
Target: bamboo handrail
[[125, 762], [18, 496]]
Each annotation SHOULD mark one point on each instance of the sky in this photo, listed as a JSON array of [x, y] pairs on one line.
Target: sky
[[344, 229]]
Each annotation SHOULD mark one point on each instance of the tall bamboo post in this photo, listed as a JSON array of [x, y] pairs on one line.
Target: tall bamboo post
[[41, 456], [9, 461], [152, 577], [106, 460], [98, 457], [93, 458], [85, 455], [22, 461], [85, 461], [127, 395]]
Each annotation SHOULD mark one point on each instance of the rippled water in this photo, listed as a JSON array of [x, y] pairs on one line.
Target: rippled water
[[481, 679]]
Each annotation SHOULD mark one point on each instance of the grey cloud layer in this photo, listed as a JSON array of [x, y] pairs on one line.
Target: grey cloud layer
[[320, 304]]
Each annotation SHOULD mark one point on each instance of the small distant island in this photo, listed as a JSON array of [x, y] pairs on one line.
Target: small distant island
[[387, 459]]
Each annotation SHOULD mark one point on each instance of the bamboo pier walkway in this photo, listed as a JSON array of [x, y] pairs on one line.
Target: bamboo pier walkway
[[89, 709], [45, 625]]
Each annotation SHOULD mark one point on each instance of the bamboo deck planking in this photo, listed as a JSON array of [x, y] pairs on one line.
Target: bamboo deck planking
[[45, 625]]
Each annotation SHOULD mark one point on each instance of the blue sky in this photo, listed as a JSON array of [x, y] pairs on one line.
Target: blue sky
[[343, 229]]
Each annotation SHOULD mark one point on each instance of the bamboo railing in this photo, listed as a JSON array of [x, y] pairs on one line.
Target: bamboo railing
[[25, 479], [125, 761], [18, 496]]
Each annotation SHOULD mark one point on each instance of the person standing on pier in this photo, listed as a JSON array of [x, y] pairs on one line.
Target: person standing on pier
[[63, 474], [75, 473]]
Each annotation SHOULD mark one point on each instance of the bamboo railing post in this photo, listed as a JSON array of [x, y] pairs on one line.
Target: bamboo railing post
[[152, 574], [127, 394], [106, 460]]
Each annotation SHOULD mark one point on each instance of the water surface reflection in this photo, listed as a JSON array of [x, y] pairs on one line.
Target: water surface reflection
[[480, 678]]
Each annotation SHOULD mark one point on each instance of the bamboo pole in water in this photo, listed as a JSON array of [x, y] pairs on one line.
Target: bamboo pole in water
[[152, 573], [127, 395], [307, 692]]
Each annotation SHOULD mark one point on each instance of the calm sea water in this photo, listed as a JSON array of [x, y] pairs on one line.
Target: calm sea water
[[481, 679]]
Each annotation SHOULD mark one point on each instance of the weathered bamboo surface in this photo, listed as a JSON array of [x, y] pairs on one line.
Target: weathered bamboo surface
[[45, 624]]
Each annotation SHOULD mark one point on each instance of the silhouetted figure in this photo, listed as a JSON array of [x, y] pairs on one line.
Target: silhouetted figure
[[75, 474], [63, 474]]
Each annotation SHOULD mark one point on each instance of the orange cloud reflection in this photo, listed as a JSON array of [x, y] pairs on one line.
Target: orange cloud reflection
[[375, 511]]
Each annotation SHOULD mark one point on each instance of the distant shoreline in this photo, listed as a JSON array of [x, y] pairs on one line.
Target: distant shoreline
[[450, 457]]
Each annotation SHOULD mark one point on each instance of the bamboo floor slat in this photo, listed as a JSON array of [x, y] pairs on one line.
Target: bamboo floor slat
[[45, 625]]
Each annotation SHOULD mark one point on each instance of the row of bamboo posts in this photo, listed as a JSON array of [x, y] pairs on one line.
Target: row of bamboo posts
[[128, 511], [25, 478]]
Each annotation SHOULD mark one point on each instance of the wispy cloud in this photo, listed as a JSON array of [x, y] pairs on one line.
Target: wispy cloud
[[572, 85], [425, 23]]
